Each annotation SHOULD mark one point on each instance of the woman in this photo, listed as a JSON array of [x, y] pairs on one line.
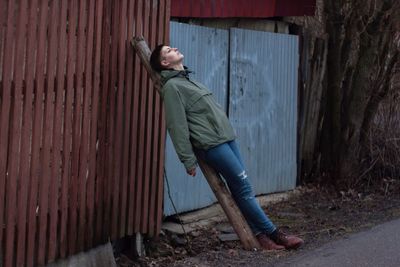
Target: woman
[[196, 122]]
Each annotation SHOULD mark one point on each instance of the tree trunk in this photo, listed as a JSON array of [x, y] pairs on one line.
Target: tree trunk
[[361, 56]]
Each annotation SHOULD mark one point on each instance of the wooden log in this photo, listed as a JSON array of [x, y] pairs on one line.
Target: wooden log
[[224, 197]]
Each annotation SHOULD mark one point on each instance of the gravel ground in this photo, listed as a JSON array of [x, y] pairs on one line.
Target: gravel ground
[[317, 214]]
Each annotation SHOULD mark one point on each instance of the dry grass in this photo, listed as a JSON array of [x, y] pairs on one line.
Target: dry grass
[[382, 163]]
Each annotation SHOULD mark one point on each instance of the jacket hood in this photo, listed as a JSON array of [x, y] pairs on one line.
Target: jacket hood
[[169, 74]]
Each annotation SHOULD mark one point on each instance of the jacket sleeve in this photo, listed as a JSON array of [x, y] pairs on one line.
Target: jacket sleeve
[[177, 126]]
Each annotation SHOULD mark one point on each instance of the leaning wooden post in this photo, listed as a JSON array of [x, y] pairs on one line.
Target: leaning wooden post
[[224, 197]]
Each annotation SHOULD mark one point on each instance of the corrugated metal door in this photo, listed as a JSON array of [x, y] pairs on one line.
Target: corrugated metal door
[[206, 53], [263, 106]]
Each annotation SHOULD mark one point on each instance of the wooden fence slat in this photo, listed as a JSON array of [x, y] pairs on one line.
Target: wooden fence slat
[[125, 204], [152, 162], [115, 120], [142, 131], [103, 222], [5, 110], [76, 130], [25, 156], [15, 126], [163, 126], [149, 131], [159, 29], [117, 211], [84, 170], [97, 127], [79, 140], [57, 165], [77, 177], [113, 178], [92, 200], [47, 135], [3, 20], [135, 129], [164, 38], [121, 121], [37, 156], [66, 182]]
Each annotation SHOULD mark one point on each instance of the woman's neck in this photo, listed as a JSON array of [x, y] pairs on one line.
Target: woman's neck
[[178, 67]]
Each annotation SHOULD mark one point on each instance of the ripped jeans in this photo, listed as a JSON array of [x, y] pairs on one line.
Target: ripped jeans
[[226, 160]]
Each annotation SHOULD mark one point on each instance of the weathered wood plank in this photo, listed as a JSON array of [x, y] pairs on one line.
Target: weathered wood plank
[[5, 112], [14, 164], [57, 165], [47, 133], [26, 156], [134, 124], [94, 183]]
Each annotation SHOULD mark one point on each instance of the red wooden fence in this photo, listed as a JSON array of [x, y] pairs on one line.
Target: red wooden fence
[[81, 128]]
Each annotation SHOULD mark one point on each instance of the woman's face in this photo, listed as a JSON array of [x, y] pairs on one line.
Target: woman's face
[[171, 57]]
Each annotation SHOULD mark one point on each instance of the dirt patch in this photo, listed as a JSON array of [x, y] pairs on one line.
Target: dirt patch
[[317, 214]]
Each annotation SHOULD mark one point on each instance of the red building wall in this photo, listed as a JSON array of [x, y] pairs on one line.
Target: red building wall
[[241, 8]]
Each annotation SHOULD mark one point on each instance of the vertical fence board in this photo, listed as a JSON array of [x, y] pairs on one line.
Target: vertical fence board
[[5, 109], [117, 212], [3, 19], [148, 123], [57, 165], [84, 170], [114, 179], [76, 177], [143, 130], [25, 155], [124, 114], [135, 132], [103, 222], [15, 126], [160, 188], [153, 124], [80, 175], [37, 156], [139, 77], [128, 128], [93, 127], [47, 135], [66, 182]]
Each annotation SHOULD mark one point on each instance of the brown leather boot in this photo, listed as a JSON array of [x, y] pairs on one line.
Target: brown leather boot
[[288, 241], [267, 244]]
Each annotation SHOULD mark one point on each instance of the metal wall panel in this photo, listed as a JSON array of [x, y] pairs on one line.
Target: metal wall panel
[[242, 8], [81, 126], [263, 106], [206, 53]]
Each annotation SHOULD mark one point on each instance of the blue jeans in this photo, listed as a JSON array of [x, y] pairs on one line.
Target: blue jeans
[[226, 160]]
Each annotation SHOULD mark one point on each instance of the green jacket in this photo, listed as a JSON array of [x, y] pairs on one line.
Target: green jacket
[[192, 115]]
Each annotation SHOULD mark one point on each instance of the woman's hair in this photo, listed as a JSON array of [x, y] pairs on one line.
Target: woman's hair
[[155, 58]]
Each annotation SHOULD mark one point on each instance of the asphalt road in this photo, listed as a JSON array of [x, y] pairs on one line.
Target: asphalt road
[[379, 246]]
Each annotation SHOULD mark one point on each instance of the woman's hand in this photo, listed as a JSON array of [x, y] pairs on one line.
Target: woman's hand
[[192, 171]]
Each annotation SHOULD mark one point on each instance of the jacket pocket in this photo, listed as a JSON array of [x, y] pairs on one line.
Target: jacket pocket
[[195, 98]]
